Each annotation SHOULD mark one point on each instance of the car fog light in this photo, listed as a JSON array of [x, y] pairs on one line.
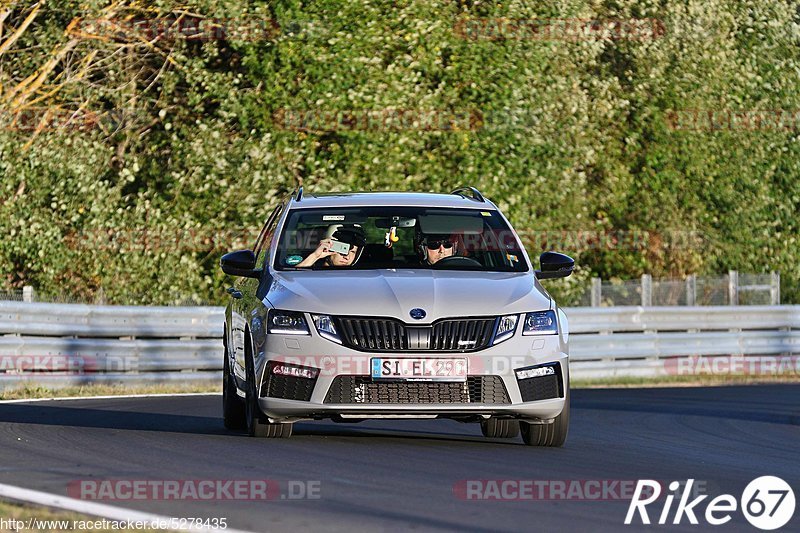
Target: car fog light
[[281, 369], [526, 373]]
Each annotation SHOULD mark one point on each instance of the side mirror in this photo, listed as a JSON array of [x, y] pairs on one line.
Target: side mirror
[[241, 263], [555, 265]]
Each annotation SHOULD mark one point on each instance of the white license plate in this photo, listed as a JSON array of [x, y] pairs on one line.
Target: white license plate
[[419, 369]]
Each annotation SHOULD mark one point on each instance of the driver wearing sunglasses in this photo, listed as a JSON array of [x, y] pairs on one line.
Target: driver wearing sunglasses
[[434, 248]]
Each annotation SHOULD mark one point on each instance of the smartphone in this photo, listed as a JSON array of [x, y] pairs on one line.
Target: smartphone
[[339, 247]]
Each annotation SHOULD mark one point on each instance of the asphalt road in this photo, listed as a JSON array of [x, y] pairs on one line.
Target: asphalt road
[[396, 474]]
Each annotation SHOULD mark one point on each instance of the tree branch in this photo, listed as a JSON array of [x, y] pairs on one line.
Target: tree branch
[[19, 31]]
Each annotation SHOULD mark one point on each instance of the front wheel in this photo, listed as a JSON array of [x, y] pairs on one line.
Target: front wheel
[[257, 423], [553, 435], [233, 411], [233, 408], [498, 428]]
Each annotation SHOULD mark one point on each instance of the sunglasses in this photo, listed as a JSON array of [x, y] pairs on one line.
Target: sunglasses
[[434, 245]]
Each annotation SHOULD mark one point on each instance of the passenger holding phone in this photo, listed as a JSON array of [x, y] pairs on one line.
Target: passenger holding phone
[[342, 247]]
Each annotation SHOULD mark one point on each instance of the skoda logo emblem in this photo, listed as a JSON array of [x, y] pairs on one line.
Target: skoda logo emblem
[[417, 313]]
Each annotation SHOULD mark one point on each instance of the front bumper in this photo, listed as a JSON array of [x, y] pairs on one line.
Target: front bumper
[[335, 361], [278, 409]]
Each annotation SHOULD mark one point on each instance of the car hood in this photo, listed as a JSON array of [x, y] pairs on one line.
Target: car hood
[[393, 293]]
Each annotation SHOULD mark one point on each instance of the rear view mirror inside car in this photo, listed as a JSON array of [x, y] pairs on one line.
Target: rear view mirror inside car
[[395, 222]]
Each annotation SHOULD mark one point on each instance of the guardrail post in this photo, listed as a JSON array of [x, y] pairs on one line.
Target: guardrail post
[[733, 287], [647, 290], [597, 291], [775, 289], [27, 293], [691, 289]]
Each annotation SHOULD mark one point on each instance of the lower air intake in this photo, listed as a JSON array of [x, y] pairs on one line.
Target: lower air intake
[[542, 387], [288, 387], [362, 390]]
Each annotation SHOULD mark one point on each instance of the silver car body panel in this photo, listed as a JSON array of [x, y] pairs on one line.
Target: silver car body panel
[[391, 293]]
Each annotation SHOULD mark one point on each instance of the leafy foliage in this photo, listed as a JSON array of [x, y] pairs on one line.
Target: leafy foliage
[[181, 145]]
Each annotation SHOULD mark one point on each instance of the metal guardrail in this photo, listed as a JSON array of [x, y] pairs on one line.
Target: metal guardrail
[[61, 345], [675, 341], [66, 344], [99, 321], [719, 318], [60, 381]]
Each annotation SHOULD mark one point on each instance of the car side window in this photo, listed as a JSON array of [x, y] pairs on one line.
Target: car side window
[[261, 248]]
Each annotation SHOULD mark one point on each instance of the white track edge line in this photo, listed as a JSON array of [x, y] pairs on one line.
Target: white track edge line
[[91, 508], [110, 396]]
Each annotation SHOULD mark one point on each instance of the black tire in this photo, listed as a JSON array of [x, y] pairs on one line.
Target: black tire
[[233, 409], [498, 428], [257, 423], [553, 435]]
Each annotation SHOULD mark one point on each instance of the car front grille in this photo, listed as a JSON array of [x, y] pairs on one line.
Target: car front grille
[[543, 387], [362, 390], [372, 334], [390, 335]]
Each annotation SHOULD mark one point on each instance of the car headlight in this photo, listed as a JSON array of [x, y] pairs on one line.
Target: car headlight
[[286, 323], [325, 328], [540, 323], [506, 326]]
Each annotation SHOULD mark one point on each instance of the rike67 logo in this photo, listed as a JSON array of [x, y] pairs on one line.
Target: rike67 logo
[[767, 503]]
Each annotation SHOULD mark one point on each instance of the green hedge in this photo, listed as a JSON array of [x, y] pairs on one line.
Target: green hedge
[[194, 140]]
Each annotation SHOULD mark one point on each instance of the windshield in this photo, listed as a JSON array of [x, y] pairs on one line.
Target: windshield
[[399, 238]]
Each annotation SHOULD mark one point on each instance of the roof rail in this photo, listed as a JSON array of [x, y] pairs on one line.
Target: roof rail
[[474, 193], [299, 195]]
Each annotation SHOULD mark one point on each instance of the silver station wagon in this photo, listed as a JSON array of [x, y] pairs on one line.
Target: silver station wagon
[[355, 306]]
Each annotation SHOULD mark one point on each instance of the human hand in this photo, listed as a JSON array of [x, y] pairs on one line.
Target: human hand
[[324, 249]]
